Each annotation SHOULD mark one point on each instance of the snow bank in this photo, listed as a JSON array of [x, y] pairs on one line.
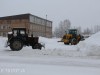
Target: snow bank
[[2, 42], [91, 46], [52, 47], [51, 43]]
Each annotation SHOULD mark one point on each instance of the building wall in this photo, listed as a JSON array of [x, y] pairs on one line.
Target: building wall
[[7, 25], [34, 25], [4, 27], [40, 27]]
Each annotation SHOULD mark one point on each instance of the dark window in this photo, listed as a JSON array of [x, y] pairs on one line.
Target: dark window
[[8, 21]]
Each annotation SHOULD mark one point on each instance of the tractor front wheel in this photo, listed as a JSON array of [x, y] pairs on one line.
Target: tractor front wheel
[[37, 46], [16, 45], [73, 41]]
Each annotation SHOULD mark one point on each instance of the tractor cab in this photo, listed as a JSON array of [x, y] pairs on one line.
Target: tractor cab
[[19, 31], [72, 31], [72, 36]]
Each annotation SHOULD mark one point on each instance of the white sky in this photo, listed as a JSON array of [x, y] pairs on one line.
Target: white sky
[[84, 13]]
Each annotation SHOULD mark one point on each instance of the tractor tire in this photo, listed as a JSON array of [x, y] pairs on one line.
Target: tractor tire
[[74, 41], [16, 45], [37, 46]]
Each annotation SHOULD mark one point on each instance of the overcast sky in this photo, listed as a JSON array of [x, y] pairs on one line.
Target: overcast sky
[[82, 13]]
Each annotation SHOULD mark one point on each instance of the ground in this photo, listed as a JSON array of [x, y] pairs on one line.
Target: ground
[[48, 65], [55, 59]]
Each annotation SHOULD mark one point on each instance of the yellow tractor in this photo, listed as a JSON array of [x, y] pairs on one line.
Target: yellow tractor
[[71, 37]]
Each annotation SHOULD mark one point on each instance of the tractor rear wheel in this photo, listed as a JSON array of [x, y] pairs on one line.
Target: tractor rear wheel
[[16, 45]]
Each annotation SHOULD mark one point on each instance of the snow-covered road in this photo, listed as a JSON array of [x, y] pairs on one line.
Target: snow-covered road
[[48, 65], [36, 62], [49, 60]]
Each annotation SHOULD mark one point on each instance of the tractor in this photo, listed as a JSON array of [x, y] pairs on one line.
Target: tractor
[[19, 38], [72, 37]]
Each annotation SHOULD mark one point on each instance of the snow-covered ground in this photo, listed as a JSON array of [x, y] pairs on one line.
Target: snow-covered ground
[[14, 65], [55, 59]]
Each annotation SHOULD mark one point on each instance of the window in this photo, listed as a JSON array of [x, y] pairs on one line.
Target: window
[[49, 24], [8, 27], [30, 26], [1, 27], [38, 21], [35, 20], [1, 34], [8, 21], [4, 27], [43, 22], [32, 19]]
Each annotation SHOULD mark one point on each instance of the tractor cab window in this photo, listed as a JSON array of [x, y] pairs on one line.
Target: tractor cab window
[[72, 32], [19, 32], [22, 32], [15, 32], [75, 32]]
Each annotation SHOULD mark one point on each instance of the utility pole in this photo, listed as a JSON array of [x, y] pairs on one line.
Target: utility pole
[[45, 25]]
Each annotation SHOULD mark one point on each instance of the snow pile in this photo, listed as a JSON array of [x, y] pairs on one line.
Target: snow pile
[[53, 44], [53, 47], [91, 46], [3, 41]]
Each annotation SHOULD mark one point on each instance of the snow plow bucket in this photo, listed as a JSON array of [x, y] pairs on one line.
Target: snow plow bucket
[[42, 44], [60, 41]]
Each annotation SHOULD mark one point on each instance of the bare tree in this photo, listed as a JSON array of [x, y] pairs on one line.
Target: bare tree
[[79, 29], [87, 31], [96, 28], [63, 26]]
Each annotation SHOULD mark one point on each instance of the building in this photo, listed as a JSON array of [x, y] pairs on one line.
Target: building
[[33, 24]]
